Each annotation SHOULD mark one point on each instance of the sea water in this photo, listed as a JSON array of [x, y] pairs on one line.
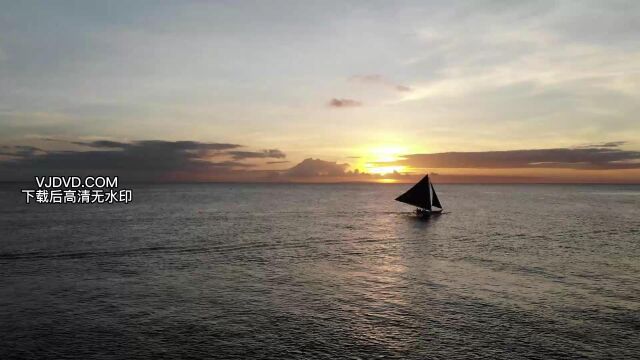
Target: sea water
[[323, 272]]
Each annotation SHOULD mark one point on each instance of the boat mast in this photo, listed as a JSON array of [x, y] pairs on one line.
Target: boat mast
[[430, 196], [428, 193]]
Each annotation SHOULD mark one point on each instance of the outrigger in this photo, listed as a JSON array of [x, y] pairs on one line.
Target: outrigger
[[423, 195]]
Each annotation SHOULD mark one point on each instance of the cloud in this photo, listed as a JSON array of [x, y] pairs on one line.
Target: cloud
[[377, 79], [342, 103], [159, 160], [19, 150], [315, 167], [317, 170], [602, 157], [611, 144], [144, 160], [270, 153], [278, 162], [158, 144], [98, 144]]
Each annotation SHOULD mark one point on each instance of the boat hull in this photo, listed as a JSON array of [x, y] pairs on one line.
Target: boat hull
[[424, 214]]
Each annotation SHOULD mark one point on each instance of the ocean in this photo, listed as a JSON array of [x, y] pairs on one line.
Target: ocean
[[281, 271]]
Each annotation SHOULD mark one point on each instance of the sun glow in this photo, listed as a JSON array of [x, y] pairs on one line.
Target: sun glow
[[377, 156], [387, 181], [381, 170]]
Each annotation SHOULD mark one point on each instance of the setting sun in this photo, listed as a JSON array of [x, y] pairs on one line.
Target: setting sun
[[373, 163]]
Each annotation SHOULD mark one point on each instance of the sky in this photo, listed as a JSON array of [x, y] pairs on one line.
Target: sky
[[475, 91]]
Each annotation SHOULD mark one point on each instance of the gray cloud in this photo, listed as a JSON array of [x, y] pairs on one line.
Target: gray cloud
[[158, 144], [377, 79], [99, 144], [341, 103], [278, 162], [602, 157], [19, 150], [147, 160], [611, 144], [269, 153]]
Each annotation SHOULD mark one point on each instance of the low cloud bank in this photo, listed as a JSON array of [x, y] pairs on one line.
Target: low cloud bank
[[607, 156], [140, 160], [160, 160]]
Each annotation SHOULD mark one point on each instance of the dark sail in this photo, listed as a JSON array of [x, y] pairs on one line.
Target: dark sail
[[419, 195], [436, 201]]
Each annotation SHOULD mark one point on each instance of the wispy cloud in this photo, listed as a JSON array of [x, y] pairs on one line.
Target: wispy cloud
[[376, 79], [534, 71]]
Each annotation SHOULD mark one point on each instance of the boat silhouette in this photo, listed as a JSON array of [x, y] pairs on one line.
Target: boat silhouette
[[423, 196]]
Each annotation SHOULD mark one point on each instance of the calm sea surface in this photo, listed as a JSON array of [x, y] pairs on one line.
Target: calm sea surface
[[323, 272]]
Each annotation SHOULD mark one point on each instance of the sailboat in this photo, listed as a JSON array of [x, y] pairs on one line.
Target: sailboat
[[423, 195]]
